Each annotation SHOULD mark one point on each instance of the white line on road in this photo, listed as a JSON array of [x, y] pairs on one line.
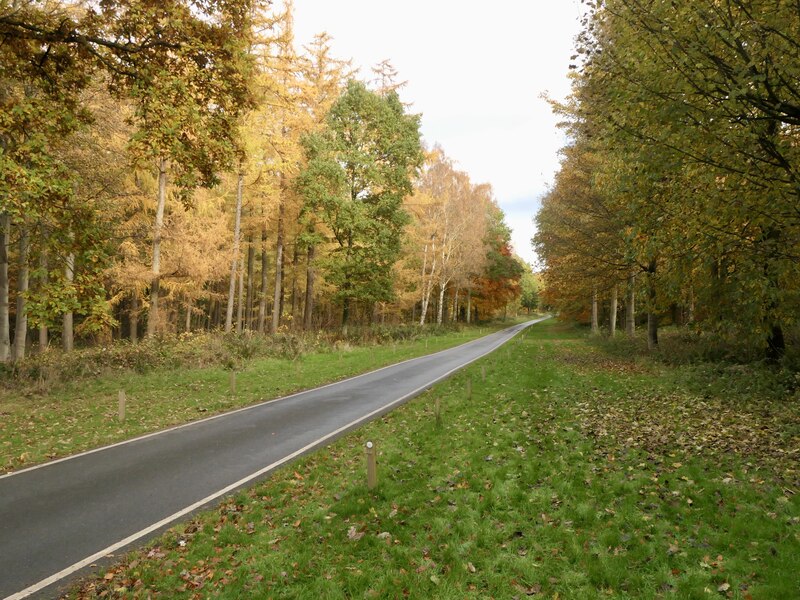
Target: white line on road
[[185, 511], [225, 414]]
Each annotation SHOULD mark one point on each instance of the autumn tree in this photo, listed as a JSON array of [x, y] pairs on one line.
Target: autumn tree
[[499, 283], [185, 75], [323, 78], [450, 225], [359, 170], [531, 286], [187, 100], [690, 111]]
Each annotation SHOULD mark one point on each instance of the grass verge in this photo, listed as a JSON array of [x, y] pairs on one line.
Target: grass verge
[[568, 473], [38, 424]]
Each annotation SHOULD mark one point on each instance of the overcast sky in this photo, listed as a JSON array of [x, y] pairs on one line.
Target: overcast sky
[[476, 71]]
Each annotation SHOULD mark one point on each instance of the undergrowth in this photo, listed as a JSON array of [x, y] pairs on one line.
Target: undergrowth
[[198, 350]]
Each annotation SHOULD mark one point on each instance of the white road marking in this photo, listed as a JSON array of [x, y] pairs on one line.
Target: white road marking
[[231, 412], [185, 511]]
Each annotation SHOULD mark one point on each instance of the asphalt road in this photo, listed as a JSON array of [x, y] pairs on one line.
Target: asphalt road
[[59, 518]]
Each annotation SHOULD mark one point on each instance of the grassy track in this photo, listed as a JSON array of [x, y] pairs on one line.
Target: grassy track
[[36, 426], [568, 473]]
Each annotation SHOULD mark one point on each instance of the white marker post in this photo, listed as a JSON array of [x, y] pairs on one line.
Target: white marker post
[[372, 466]]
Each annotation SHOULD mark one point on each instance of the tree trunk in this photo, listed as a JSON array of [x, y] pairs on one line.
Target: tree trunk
[[469, 305], [43, 283], [188, 323], [295, 287], [282, 305], [153, 316], [374, 313], [652, 330], [595, 324], [776, 344], [262, 303], [345, 313], [454, 316], [442, 289], [5, 325], [237, 222], [67, 333], [133, 317], [613, 316], [251, 257], [428, 287], [21, 324], [630, 307], [652, 317], [278, 296], [309, 307], [216, 316], [240, 304], [423, 304]]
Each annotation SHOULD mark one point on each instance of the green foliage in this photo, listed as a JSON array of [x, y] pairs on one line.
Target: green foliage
[[189, 90], [531, 286], [359, 170], [183, 64], [687, 114]]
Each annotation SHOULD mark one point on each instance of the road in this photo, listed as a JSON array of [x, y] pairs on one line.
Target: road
[[58, 519]]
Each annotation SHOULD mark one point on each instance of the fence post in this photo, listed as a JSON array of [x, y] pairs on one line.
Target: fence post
[[121, 406], [372, 466]]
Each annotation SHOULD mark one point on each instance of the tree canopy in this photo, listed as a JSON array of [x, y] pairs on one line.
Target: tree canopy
[[182, 165], [684, 124]]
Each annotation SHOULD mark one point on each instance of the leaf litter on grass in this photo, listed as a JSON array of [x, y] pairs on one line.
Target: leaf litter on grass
[[558, 511]]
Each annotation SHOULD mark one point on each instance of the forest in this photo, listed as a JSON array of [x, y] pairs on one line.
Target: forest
[[176, 166], [678, 194]]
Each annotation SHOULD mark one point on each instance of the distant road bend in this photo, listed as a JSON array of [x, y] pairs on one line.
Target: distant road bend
[[59, 518]]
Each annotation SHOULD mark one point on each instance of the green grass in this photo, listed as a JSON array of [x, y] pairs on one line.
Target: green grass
[[39, 424], [569, 473]]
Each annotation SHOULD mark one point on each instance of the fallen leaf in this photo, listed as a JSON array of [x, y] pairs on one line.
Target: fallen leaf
[[353, 534]]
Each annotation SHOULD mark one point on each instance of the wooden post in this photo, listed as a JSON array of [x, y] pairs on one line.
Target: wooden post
[[233, 383], [483, 372], [121, 406], [372, 465]]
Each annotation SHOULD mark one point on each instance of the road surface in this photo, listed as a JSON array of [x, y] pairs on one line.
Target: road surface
[[59, 518]]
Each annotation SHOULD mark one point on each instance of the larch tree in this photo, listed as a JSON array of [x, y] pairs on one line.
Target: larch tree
[[187, 97]]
